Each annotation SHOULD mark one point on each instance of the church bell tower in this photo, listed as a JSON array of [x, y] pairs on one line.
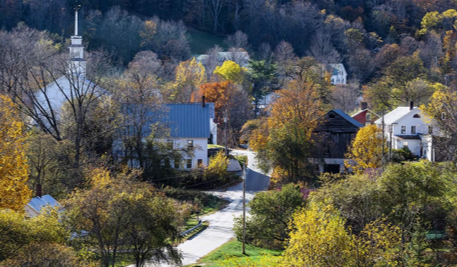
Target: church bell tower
[[77, 63]]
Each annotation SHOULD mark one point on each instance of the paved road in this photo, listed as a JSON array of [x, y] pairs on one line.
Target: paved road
[[221, 223]]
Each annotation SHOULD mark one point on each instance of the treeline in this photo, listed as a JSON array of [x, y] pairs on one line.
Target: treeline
[[326, 30]]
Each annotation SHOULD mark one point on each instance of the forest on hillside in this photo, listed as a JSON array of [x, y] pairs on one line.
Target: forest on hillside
[[366, 35]]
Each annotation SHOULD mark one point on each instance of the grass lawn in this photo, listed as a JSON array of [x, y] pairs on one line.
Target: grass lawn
[[233, 248], [200, 41]]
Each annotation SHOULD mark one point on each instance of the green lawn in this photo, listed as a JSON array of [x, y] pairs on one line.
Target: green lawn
[[200, 41], [233, 248]]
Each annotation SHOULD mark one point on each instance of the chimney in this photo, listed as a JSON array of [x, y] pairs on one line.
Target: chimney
[[38, 190], [411, 105], [364, 105], [203, 101]]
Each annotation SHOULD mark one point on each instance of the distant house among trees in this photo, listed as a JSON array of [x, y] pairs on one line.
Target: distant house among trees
[[339, 74], [240, 57], [333, 136], [365, 116]]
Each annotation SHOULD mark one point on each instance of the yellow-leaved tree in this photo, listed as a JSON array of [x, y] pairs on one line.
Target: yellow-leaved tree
[[190, 75], [231, 71], [366, 149], [14, 171], [319, 238]]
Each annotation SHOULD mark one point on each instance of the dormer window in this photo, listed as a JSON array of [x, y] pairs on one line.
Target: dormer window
[[416, 116], [368, 117]]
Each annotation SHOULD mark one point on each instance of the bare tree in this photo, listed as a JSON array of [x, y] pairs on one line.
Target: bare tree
[[344, 97], [215, 8], [238, 40], [322, 49], [211, 61], [284, 52]]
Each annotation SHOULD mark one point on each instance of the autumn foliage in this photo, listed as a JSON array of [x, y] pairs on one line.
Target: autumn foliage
[[14, 170], [366, 149]]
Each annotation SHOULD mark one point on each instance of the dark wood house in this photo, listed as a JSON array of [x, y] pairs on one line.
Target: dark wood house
[[333, 136]]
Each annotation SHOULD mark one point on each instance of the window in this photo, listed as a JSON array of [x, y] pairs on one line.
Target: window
[[170, 144], [416, 116], [331, 116], [443, 115], [413, 129], [430, 129], [403, 129], [188, 163], [405, 144], [199, 163], [368, 117], [190, 144], [177, 164]]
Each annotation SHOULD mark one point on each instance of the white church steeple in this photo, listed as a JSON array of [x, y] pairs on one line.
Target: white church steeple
[[77, 62]]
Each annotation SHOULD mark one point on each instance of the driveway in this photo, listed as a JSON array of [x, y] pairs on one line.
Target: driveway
[[220, 228]]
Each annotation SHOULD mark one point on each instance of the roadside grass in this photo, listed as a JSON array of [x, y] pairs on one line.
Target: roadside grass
[[202, 228], [200, 41], [233, 248]]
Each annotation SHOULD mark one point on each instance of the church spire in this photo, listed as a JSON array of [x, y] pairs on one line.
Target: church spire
[[77, 7], [77, 62]]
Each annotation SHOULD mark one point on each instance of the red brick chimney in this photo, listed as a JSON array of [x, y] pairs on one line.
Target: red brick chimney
[[364, 105]]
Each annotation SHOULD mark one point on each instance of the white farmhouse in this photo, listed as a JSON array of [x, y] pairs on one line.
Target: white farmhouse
[[339, 74], [409, 127], [192, 128]]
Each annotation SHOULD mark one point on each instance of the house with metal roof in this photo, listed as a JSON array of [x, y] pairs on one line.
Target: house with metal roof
[[37, 205], [409, 127], [334, 135], [190, 128]]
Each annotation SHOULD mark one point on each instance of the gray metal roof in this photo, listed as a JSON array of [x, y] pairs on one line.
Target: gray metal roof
[[190, 120], [347, 117], [37, 203]]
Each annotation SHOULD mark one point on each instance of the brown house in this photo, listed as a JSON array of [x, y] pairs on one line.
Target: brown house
[[333, 137]]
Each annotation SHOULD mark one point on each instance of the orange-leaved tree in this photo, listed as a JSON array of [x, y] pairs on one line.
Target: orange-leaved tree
[[219, 93], [14, 170]]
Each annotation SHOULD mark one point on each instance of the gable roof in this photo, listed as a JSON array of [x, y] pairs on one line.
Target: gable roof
[[37, 203], [394, 115], [363, 110], [190, 120], [347, 117]]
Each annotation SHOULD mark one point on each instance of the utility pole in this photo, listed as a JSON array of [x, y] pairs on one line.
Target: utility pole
[[225, 135], [244, 207], [383, 142]]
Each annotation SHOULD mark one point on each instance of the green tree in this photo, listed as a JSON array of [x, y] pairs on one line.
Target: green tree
[[262, 75], [122, 213], [270, 214]]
